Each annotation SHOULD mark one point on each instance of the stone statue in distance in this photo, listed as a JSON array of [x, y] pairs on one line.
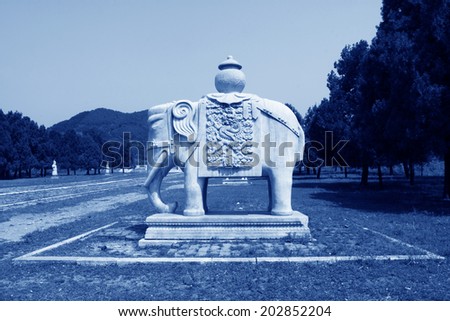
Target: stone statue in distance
[[54, 169]]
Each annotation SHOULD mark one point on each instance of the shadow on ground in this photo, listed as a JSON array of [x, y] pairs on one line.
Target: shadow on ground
[[396, 196]]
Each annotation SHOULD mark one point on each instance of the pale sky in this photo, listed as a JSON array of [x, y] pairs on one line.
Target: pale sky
[[59, 58]]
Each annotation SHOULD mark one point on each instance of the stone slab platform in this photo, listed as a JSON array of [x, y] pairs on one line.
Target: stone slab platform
[[164, 228]]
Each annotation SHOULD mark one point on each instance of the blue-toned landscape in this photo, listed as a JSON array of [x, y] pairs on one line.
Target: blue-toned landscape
[[392, 246]]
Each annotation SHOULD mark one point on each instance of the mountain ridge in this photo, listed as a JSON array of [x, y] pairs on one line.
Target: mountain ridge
[[110, 124]]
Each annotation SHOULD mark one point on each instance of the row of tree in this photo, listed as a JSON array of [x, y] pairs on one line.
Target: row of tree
[[391, 99], [26, 147]]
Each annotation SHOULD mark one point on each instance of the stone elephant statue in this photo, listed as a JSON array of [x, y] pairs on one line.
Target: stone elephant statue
[[223, 134]]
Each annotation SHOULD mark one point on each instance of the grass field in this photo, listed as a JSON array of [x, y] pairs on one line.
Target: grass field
[[41, 212]]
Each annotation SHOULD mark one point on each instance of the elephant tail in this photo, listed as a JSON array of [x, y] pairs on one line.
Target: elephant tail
[[301, 143]]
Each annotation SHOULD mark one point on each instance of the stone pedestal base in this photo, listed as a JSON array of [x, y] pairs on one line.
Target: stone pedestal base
[[165, 228]]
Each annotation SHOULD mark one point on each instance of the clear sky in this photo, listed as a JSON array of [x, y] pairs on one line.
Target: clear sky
[[59, 58]]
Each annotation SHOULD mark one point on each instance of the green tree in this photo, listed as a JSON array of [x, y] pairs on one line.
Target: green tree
[[57, 150], [90, 154], [296, 113], [71, 149], [351, 98], [6, 146], [44, 150], [98, 140], [404, 103], [432, 44], [20, 132]]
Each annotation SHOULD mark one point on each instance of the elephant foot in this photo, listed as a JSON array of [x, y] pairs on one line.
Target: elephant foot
[[281, 212], [194, 212]]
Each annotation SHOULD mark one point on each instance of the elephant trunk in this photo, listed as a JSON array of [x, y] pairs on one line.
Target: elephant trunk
[[155, 169], [153, 182]]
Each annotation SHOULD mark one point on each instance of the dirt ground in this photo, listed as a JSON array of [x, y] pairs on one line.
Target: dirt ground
[[345, 219]]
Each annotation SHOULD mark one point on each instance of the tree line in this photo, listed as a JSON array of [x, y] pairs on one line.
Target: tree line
[[391, 98], [27, 148]]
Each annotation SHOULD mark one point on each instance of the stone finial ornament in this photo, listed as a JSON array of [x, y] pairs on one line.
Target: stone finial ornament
[[230, 78]]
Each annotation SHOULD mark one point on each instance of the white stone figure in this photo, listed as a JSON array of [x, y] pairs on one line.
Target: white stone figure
[[107, 169], [54, 169], [237, 135], [228, 134]]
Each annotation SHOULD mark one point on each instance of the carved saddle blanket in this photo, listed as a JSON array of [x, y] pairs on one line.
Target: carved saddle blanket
[[230, 134], [230, 129]]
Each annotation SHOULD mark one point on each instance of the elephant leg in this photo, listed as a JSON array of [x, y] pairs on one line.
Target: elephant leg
[[204, 194], [281, 188], [269, 188], [193, 186]]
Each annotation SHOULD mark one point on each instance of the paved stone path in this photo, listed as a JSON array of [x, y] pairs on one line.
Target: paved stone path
[[242, 249]]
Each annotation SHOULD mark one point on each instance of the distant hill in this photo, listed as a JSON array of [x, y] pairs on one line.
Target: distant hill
[[109, 123]]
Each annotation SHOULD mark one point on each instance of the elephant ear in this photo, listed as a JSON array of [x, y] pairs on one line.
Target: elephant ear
[[183, 120]]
